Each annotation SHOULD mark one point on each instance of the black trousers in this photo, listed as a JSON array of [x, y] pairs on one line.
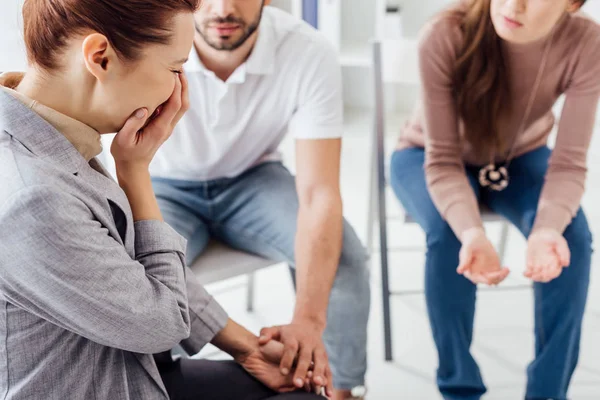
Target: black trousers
[[190, 379]]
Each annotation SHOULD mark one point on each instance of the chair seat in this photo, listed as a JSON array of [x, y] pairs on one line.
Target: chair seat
[[487, 215], [219, 262]]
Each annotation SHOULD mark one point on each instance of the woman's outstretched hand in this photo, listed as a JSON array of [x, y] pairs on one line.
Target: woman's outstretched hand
[[547, 254], [478, 259]]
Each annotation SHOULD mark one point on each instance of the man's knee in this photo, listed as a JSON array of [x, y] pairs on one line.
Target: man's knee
[[353, 273], [354, 254]]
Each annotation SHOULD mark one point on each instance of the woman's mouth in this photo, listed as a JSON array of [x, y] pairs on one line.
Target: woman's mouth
[[511, 23]]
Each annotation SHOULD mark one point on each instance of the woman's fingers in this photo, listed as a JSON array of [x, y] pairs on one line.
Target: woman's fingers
[[185, 99], [466, 258]]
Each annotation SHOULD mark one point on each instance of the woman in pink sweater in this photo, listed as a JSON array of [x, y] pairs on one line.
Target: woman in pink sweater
[[491, 72]]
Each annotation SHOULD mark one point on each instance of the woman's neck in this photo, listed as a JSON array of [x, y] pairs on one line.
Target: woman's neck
[[58, 92], [537, 44]]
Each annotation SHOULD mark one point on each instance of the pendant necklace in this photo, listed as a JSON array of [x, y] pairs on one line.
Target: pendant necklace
[[495, 176]]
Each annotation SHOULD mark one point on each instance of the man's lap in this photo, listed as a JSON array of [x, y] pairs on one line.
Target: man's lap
[[255, 212]]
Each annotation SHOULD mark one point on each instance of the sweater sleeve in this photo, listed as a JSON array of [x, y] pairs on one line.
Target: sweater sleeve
[[447, 180], [565, 180]]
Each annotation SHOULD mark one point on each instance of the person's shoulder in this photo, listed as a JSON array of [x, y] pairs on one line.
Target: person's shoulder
[[25, 177], [582, 26], [581, 34], [577, 31], [442, 33], [294, 37]]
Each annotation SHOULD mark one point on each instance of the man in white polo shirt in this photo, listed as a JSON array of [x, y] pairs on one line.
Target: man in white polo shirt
[[257, 74]]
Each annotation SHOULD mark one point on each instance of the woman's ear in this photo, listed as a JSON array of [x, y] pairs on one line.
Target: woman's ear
[[98, 55], [574, 5]]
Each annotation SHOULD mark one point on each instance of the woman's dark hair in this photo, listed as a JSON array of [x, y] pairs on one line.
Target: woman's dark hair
[[127, 24], [481, 76]]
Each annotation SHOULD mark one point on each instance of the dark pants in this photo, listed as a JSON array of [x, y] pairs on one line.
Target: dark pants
[[190, 379], [559, 304]]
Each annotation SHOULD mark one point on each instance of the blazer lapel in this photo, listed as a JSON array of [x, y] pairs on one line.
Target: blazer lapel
[[43, 140], [149, 365]]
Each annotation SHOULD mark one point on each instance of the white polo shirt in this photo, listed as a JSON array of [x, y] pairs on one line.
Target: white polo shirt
[[290, 83]]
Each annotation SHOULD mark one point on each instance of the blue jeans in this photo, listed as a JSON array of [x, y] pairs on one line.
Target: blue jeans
[[559, 304], [257, 212]]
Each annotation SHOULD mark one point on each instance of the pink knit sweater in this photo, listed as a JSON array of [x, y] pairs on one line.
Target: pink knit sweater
[[573, 69]]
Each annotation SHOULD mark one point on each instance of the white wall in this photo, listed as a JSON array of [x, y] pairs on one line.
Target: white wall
[[12, 53], [592, 7], [418, 12]]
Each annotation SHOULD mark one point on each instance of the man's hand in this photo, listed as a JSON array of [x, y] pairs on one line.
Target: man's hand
[[547, 254], [478, 259], [260, 361], [303, 349]]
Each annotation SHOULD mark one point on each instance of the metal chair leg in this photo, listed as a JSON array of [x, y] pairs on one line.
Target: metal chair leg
[[385, 291], [379, 146], [372, 212], [503, 241], [250, 292], [385, 281]]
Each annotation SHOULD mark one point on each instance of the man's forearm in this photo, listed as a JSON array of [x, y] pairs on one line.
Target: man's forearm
[[318, 249]]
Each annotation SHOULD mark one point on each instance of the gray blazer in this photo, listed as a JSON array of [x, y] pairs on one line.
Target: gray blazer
[[86, 294]]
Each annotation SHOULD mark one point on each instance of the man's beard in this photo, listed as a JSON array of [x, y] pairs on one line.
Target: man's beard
[[248, 30]]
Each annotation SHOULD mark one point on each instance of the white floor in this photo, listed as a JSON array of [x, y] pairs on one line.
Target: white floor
[[504, 341]]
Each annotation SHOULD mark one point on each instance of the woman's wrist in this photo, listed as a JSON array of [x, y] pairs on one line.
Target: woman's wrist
[[468, 235], [236, 341], [129, 173], [136, 182]]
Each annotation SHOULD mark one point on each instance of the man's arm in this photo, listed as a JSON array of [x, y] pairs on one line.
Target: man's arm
[[320, 226], [318, 249], [317, 127]]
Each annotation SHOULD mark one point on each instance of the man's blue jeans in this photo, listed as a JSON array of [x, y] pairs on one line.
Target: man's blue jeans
[[559, 304], [257, 212]]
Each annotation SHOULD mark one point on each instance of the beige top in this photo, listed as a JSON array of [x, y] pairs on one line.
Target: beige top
[[84, 138], [573, 69]]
